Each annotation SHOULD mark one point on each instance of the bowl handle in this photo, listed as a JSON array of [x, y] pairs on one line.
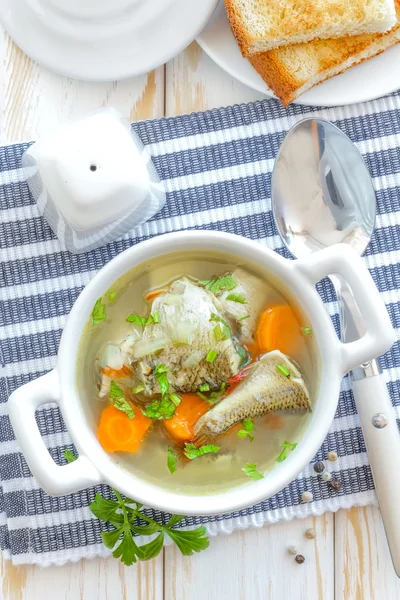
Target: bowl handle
[[55, 480], [343, 260]]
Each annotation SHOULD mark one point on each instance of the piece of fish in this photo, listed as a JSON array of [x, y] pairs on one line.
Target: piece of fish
[[264, 390], [187, 318], [245, 316]]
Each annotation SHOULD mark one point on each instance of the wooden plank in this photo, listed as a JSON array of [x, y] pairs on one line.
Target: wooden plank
[[256, 564], [87, 580], [363, 565], [34, 101], [194, 82]]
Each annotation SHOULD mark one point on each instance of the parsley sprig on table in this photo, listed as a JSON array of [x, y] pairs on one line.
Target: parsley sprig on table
[[125, 517]]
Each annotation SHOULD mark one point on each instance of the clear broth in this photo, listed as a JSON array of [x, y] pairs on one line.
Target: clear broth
[[210, 473]]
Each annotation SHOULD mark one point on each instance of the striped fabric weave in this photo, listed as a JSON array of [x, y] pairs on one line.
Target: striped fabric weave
[[216, 167]]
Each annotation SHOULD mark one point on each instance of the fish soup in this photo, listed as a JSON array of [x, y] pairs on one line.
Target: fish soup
[[198, 373]]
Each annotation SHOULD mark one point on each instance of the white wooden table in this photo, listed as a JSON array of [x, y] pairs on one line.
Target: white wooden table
[[349, 558]]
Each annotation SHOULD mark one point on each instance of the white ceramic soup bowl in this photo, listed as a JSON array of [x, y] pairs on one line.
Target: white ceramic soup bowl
[[95, 466]]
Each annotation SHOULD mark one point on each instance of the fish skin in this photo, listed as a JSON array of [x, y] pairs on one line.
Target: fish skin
[[256, 293], [264, 390], [187, 302]]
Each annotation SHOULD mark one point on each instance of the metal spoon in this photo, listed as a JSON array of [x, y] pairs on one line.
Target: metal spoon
[[322, 194]]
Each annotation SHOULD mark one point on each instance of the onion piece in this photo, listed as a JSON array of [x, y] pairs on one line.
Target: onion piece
[[112, 357], [148, 346], [193, 359]]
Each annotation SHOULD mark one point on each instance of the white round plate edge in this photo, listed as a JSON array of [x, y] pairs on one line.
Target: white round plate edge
[[9, 18], [374, 78]]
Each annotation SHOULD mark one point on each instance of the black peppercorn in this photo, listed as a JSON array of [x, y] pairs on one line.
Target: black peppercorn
[[300, 559], [336, 485], [319, 467]]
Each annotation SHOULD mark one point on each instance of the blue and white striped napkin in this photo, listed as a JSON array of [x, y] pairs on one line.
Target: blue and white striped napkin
[[216, 167]]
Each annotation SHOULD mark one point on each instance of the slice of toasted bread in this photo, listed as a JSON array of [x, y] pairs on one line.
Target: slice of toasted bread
[[292, 70], [260, 25]]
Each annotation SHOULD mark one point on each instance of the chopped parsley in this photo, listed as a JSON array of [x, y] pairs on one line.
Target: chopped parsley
[[204, 387], [244, 356], [248, 428], [69, 456], [307, 330], [119, 402], [192, 452], [138, 389], [240, 298], [160, 373], [112, 295], [214, 397], [222, 331], [243, 318], [220, 284], [143, 321], [286, 447], [211, 356], [251, 471], [283, 370], [163, 408], [172, 460], [99, 312]]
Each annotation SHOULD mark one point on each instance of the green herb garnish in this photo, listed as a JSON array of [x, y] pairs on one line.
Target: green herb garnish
[[172, 460], [211, 356], [162, 409], [248, 428], [237, 298], [192, 452], [112, 295], [244, 356], [307, 330], [124, 516], [243, 318], [283, 370], [119, 402], [251, 471], [70, 456], [204, 387], [286, 447], [99, 312], [143, 321], [160, 373], [222, 331], [138, 389], [220, 284]]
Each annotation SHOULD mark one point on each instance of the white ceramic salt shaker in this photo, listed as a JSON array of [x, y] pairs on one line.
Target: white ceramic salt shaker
[[93, 181]]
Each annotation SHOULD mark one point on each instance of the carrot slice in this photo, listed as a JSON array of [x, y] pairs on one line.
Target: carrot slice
[[118, 433], [154, 294], [278, 329], [117, 373], [191, 408]]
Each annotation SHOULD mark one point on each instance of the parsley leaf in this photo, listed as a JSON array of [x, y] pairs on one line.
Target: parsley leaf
[[69, 456], [240, 298], [172, 459], [220, 284], [284, 454], [244, 356], [189, 541], [211, 356], [283, 370], [119, 402], [192, 452], [99, 312], [204, 387], [160, 373], [163, 408], [243, 318], [214, 397], [222, 331], [251, 470], [112, 295], [125, 517], [138, 389], [248, 427]]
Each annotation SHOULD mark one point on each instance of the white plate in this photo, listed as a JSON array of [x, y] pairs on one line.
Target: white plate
[[104, 40], [372, 79]]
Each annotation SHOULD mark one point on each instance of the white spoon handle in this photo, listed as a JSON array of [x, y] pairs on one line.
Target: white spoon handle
[[383, 446]]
